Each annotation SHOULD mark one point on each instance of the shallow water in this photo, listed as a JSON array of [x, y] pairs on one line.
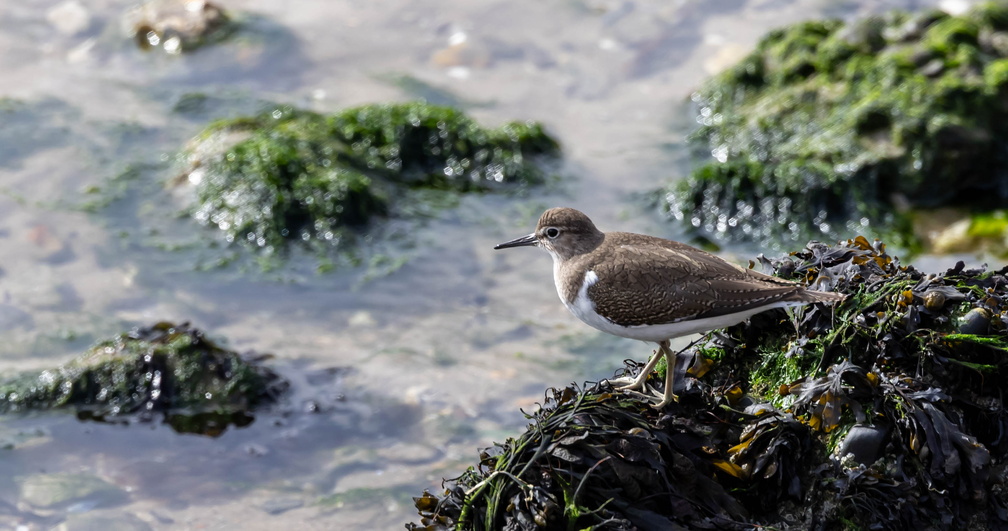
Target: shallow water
[[401, 372]]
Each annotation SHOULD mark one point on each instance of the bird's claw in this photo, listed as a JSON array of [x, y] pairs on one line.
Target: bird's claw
[[640, 382], [672, 397], [624, 383], [647, 393]]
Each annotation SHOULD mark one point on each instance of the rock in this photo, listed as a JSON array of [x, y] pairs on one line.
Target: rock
[[885, 411], [177, 26], [166, 370], [829, 128], [291, 175]]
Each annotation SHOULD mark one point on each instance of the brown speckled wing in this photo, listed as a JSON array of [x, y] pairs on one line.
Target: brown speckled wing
[[665, 281]]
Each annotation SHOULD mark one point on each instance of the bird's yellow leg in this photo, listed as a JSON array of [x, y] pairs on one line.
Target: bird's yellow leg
[[669, 376], [638, 383]]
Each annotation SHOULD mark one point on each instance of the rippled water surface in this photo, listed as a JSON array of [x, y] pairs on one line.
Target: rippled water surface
[[403, 367]]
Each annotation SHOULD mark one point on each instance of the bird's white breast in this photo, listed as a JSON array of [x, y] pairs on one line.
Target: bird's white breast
[[583, 308]]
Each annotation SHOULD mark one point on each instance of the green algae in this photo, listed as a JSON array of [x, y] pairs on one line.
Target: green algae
[[294, 175], [915, 362], [169, 370], [985, 231], [816, 132]]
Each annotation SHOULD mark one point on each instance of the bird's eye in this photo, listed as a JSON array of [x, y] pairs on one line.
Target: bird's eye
[[552, 232]]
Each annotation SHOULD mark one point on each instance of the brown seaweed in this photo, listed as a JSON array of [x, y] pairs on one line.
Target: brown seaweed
[[885, 412]]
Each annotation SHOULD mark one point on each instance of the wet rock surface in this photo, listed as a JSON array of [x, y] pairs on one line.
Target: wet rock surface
[[885, 412], [177, 26], [832, 128], [163, 371], [295, 175]]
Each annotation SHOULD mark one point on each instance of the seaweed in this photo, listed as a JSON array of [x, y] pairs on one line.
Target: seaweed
[[883, 412], [830, 128], [290, 175], [169, 371]]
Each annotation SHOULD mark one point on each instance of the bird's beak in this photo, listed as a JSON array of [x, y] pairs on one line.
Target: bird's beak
[[524, 241]]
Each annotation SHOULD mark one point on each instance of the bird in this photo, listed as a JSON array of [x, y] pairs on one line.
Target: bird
[[653, 289]]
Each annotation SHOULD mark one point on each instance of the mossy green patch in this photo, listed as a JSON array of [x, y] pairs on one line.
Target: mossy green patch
[[166, 369], [290, 174], [990, 225], [814, 133]]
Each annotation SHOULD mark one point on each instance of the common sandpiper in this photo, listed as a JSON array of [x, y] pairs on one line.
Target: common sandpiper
[[653, 289]]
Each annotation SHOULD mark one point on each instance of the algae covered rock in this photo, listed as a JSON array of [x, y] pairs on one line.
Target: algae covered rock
[[828, 128], [904, 385], [955, 231], [177, 26], [591, 458], [291, 174], [884, 412], [165, 370]]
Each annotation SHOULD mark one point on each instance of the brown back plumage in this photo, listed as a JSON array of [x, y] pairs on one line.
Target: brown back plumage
[[648, 280], [645, 280]]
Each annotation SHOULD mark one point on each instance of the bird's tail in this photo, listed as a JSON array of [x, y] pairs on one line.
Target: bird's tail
[[809, 296]]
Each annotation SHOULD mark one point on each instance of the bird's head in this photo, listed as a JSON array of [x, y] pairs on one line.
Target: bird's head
[[564, 232]]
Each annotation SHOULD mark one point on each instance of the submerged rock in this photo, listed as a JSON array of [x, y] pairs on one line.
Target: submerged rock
[[166, 370], [290, 174], [957, 231], [881, 413], [177, 26], [830, 128]]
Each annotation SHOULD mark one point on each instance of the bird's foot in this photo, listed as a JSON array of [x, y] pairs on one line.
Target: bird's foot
[[626, 383], [666, 400], [640, 382], [645, 392], [648, 393], [657, 399]]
